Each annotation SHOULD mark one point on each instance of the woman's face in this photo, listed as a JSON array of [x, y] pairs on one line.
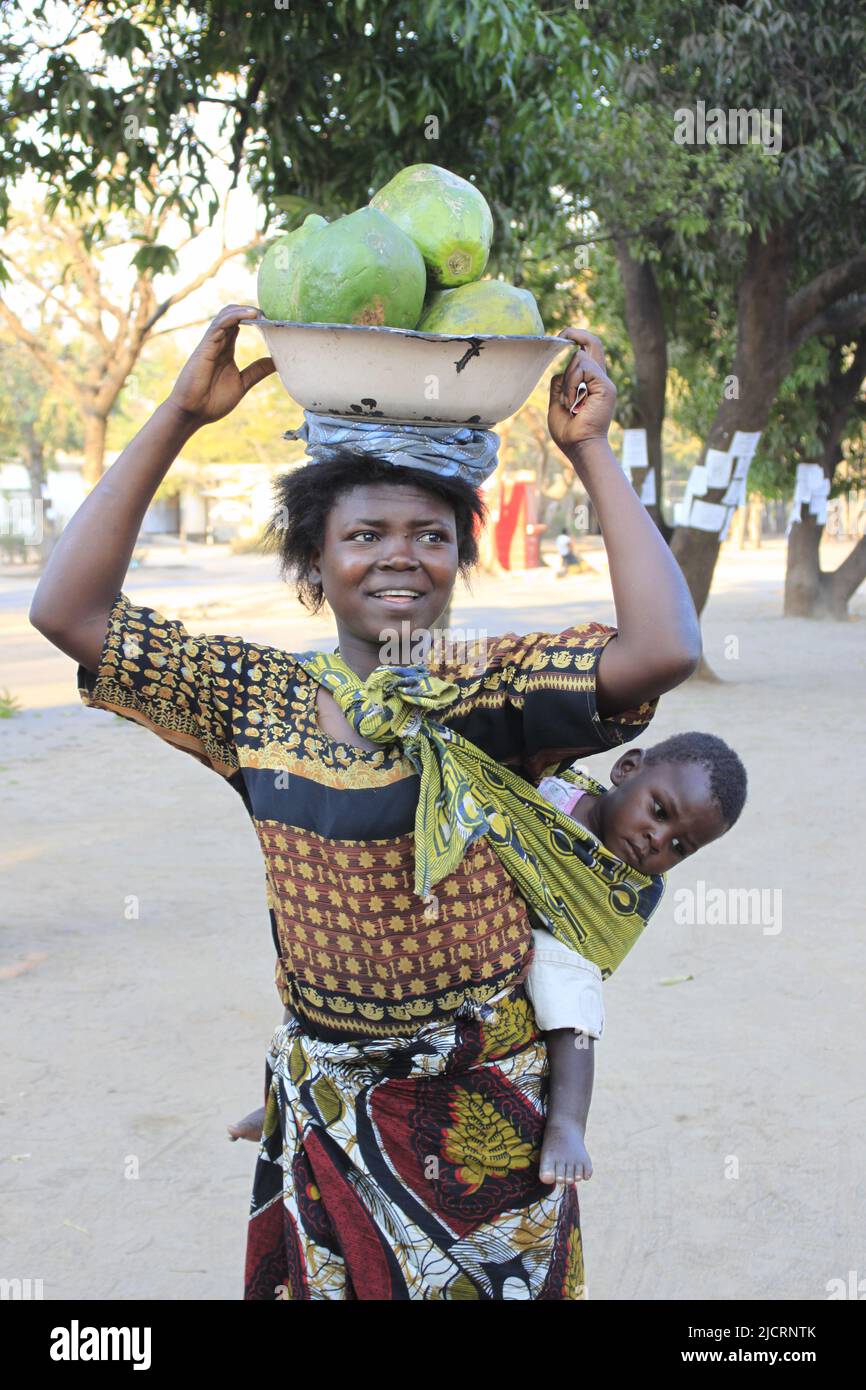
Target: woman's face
[[389, 557]]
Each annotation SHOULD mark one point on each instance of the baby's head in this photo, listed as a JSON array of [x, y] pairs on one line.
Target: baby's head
[[670, 800]]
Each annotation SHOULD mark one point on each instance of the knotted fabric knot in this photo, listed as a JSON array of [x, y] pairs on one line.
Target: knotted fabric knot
[[561, 870], [387, 706]]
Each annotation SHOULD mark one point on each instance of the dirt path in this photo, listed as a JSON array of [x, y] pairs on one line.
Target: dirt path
[[729, 1108]]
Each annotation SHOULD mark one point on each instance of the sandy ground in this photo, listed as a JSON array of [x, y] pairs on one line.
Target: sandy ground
[[726, 1127]]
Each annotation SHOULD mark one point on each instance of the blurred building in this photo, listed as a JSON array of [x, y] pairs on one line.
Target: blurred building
[[207, 502]]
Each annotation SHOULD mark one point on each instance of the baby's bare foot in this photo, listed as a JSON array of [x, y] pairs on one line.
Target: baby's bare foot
[[250, 1127], [564, 1159]]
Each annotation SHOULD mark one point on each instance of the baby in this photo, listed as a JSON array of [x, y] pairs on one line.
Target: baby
[[666, 803]]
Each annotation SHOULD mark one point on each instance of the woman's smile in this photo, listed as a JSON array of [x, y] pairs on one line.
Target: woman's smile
[[396, 599]]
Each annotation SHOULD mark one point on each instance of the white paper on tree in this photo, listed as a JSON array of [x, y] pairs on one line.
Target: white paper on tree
[[718, 465], [741, 469], [803, 485], [648, 491], [681, 512], [634, 450], [707, 516], [793, 516], [697, 482], [810, 482], [736, 493], [812, 479], [724, 531], [743, 446]]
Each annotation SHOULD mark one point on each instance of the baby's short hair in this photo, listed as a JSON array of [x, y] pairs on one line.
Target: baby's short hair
[[728, 781]]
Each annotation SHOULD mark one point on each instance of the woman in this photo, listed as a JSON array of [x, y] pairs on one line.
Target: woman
[[406, 1089]]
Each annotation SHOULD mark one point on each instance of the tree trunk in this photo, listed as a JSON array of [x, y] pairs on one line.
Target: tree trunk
[[802, 571], [760, 365], [737, 530], [811, 592], [95, 427], [646, 331], [36, 476], [841, 585]]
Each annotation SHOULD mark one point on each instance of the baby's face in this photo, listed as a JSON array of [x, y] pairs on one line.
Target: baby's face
[[654, 817]]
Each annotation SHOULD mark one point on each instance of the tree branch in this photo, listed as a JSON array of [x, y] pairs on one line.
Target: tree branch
[[199, 280], [848, 576], [837, 319], [178, 328], [67, 237], [88, 325], [833, 284], [46, 359]]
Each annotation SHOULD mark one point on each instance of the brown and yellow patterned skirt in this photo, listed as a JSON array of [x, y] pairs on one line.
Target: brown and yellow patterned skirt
[[407, 1168]]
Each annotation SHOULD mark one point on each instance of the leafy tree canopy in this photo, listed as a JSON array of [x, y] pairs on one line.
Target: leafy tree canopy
[[320, 102]]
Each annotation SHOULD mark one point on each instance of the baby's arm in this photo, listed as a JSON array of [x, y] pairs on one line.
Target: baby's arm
[[564, 1158], [565, 991]]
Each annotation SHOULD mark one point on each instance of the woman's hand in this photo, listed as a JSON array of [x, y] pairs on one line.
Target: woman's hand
[[210, 384], [592, 417]]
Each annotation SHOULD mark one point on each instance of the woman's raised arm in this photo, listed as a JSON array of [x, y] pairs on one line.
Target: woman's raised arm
[[658, 641], [89, 563]]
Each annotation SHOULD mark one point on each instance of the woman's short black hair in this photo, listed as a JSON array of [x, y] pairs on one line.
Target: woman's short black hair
[[728, 780], [304, 497]]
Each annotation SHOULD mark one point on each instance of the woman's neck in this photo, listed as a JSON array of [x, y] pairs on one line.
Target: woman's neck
[[360, 656], [364, 656]]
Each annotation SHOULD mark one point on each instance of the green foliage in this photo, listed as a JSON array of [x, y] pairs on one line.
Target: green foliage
[[155, 260], [761, 55], [688, 209], [9, 704], [564, 117], [32, 407], [322, 101]]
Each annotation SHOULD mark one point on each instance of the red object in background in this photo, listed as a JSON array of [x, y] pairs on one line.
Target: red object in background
[[510, 507], [534, 532], [517, 531]]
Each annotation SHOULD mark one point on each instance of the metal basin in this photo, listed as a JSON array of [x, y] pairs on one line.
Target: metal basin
[[402, 375]]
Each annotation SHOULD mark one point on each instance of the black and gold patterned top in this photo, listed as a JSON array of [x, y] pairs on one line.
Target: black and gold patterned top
[[355, 958]]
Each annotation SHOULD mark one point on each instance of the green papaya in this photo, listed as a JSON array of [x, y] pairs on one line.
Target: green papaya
[[485, 306], [274, 284], [361, 269], [447, 217]]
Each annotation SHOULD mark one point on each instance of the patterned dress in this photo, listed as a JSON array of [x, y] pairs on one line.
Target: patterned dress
[[405, 1098]]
